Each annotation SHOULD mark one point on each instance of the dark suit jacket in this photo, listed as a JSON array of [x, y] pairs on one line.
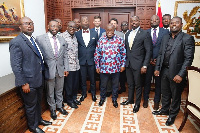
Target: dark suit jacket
[[86, 54], [101, 31], [25, 62], [140, 53], [156, 47], [181, 56]]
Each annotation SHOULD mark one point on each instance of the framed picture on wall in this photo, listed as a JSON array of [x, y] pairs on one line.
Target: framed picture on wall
[[10, 13], [189, 11]]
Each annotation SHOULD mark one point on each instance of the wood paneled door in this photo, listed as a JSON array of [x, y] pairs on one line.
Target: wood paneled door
[[121, 14]]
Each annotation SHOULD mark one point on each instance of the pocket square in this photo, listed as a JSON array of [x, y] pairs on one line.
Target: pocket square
[[93, 38]]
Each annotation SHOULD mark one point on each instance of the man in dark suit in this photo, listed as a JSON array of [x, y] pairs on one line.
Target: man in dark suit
[[97, 28], [156, 35], [176, 53], [139, 49], [26, 62], [54, 49], [87, 41]]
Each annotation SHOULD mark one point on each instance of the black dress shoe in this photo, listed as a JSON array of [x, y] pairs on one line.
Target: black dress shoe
[[136, 108], [127, 102], [170, 121], [145, 104], [37, 130], [101, 102], [121, 91], [72, 105], [77, 102], [156, 106], [115, 104], [160, 112], [53, 115], [62, 111], [82, 98], [108, 94], [45, 123], [94, 98]]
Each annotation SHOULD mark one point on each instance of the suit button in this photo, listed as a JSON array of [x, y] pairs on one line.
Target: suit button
[[40, 71]]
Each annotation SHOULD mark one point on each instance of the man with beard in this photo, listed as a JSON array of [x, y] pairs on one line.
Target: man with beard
[[156, 36], [27, 65], [110, 57], [87, 41], [54, 49], [139, 49], [175, 55], [71, 82], [166, 21]]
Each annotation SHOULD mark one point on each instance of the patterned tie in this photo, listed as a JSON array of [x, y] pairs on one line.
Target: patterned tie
[[154, 37], [55, 46], [37, 51], [131, 40]]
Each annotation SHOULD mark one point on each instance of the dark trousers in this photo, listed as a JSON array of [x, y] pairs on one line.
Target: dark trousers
[[122, 80], [71, 85], [90, 70], [134, 79], [32, 102], [147, 86], [171, 94], [115, 84]]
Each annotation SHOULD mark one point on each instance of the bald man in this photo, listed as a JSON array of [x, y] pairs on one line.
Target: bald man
[[27, 65]]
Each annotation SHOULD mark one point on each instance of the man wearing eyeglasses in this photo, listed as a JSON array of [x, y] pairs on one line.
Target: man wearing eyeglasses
[[72, 80], [54, 49], [27, 64]]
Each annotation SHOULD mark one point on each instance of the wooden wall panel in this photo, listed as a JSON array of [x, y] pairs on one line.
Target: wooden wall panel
[[63, 9]]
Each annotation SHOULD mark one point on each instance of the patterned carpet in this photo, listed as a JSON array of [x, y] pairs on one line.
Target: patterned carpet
[[90, 118]]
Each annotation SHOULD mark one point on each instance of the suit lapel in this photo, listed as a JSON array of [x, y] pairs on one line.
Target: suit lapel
[[136, 36], [29, 43], [61, 46], [177, 41], [81, 38]]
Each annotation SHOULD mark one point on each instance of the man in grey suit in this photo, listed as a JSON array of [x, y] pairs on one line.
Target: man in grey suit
[[139, 49], [175, 55], [54, 49], [114, 22], [27, 65]]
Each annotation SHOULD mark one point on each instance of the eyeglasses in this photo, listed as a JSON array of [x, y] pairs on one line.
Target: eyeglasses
[[28, 23], [124, 24]]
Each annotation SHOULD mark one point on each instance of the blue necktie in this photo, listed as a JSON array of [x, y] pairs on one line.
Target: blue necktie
[[154, 37], [37, 51]]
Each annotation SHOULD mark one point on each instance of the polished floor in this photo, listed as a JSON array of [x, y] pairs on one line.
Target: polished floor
[[90, 118]]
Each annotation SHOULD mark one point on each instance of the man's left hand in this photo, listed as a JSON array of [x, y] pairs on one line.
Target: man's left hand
[[122, 69], [143, 70], [66, 73], [177, 79]]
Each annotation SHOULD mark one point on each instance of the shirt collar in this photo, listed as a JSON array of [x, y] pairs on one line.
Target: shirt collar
[[176, 34], [29, 37], [157, 28], [50, 35], [136, 29]]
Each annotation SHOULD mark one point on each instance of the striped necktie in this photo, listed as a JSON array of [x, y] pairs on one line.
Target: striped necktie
[[154, 37]]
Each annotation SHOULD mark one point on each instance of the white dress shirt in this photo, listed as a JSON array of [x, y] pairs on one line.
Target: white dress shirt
[[86, 37], [152, 31], [52, 41]]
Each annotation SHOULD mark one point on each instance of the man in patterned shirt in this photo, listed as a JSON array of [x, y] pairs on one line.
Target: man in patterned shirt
[[72, 80], [110, 58]]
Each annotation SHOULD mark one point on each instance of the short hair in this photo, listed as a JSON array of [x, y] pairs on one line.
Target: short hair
[[136, 17], [83, 18], [178, 18], [53, 20], [114, 19], [167, 15], [97, 17], [70, 22]]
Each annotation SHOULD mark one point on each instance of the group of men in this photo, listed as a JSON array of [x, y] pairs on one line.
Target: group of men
[[59, 58]]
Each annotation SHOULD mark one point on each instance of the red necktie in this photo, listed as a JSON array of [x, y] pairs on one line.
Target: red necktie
[[85, 31]]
